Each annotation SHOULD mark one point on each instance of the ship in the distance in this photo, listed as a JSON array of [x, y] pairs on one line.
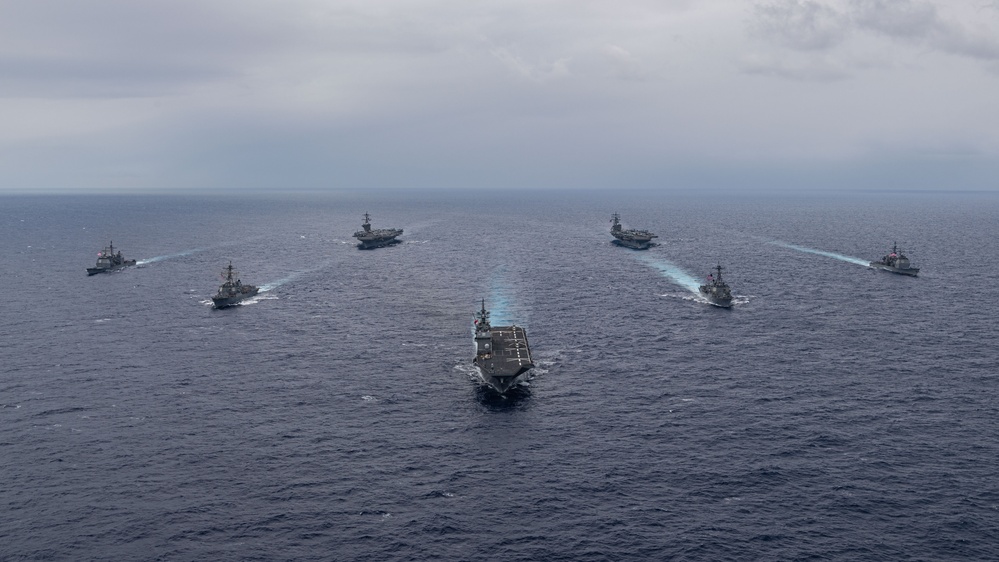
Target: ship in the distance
[[716, 290], [108, 260], [369, 238], [896, 262], [635, 239], [502, 354], [232, 289]]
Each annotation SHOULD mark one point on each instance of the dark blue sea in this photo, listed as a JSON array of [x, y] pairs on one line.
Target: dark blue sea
[[834, 413]]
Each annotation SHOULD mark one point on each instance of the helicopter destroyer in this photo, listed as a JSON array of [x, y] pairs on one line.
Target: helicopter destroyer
[[716, 290], [376, 238], [896, 262], [232, 289], [634, 239], [502, 354], [108, 260]]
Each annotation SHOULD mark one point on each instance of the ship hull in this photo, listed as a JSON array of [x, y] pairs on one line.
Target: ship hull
[[380, 243], [910, 271], [634, 244], [501, 383], [96, 270], [225, 302], [724, 303]]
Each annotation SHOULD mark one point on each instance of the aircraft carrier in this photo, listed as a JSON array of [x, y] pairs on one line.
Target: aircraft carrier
[[502, 354], [369, 238], [634, 239]]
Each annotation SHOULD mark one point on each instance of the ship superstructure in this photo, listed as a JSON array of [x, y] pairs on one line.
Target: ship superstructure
[[108, 260], [634, 239], [368, 238], [716, 290], [502, 353], [896, 262], [232, 289]]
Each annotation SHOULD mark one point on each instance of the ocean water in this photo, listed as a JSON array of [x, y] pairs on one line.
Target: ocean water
[[836, 412]]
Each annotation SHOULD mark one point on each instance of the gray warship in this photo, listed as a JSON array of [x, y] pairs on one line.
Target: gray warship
[[502, 354], [716, 290], [108, 260], [634, 239], [232, 289], [369, 239], [896, 262]]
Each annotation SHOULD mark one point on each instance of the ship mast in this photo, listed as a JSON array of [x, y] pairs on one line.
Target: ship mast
[[228, 272]]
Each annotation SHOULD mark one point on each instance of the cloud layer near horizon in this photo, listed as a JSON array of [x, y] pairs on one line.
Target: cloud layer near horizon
[[117, 94]]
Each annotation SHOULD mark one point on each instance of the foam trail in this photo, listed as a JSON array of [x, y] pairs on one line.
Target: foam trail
[[170, 256], [261, 296], [500, 296], [672, 272], [833, 255], [275, 284]]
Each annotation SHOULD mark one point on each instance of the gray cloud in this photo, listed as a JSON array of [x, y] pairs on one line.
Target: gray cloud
[[813, 70], [537, 71], [64, 48], [397, 93], [921, 23], [624, 64], [66, 76], [801, 24], [821, 25], [905, 19]]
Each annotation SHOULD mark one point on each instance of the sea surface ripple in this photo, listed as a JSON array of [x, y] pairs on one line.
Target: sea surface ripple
[[836, 412]]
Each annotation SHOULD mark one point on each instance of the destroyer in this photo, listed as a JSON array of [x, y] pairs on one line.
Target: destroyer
[[376, 238], [232, 289], [716, 290], [896, 262], [635, 239], [501, 353], [108, 260]]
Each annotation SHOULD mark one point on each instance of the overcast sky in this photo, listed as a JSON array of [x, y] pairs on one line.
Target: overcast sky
[[305, 94]]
